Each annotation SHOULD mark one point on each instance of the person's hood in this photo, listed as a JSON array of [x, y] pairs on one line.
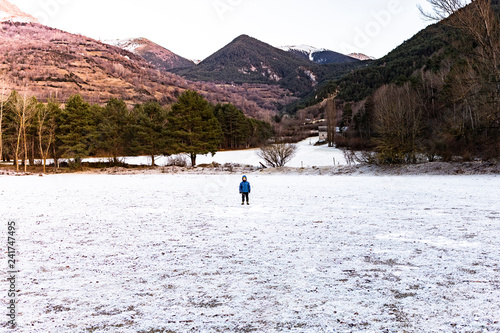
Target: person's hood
[[244, 178]]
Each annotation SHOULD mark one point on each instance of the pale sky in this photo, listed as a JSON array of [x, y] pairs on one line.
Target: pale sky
[[195, 29]]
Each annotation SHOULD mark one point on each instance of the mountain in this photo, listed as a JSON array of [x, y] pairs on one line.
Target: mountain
[[396, 67], [360, 56], [155, 54], [51, 61], [432, 49], [48, 62], [319, 56], [248, 60], [434, 97], [10, 12]]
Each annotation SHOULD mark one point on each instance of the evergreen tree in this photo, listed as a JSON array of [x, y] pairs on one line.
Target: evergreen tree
[[345, 122], [234, 125], [363, 120], [194, 127], [150, 130], [112, 128], [77, 130], [259, 132]]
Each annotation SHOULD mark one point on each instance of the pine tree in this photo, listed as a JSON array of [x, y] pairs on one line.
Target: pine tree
[[77, 129], [112, 128], [234, 125], [259, 132], [194, 128], [150, 135], [346, 120]]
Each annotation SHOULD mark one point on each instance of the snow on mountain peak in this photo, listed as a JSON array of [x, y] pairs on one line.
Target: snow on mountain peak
[[302, 48], [306, 49], [129, 44], [360, 56], [11, 13]]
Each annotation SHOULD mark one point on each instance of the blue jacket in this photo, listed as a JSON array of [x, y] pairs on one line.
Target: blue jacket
[[245, 187]]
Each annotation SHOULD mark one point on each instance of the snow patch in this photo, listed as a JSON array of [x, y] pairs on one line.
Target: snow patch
[[308, 155], [6, 17], [128, 44], [10, 12], [360, 56], [306, 49]]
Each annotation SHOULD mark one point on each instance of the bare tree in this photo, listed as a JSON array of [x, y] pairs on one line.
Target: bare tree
[[398, 121], [46, 129], [277, 155], [23, 108], [442, 9], [477, 19], [480, 102], [331, 119]]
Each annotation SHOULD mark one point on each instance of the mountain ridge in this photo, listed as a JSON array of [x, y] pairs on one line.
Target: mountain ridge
[[154, 53], [361, 56], [319, 55]]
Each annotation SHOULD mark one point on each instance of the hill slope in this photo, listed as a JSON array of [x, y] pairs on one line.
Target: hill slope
[[434, 97], [52, 61], [422, 50]]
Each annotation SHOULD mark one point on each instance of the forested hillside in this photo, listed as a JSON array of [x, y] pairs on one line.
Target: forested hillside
[[425, 50], [437, 96]]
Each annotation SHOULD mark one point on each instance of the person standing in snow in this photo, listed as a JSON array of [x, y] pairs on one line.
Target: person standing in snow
[[244, 190]]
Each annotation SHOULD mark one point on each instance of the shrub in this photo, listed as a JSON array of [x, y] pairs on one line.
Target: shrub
[[177, 160], [277, 155]]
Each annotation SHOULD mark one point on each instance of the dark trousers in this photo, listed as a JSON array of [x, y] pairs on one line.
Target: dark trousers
[[243, 196]]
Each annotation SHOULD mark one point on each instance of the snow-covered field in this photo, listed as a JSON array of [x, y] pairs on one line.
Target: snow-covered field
[[307, 155], [178, 253]]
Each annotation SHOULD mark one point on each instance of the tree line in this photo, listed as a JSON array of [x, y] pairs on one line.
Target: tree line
[[31, 130]]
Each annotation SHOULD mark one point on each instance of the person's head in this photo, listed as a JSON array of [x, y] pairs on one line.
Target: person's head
[[244, 178]]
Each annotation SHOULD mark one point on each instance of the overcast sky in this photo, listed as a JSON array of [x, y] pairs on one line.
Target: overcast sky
[[197, 28]]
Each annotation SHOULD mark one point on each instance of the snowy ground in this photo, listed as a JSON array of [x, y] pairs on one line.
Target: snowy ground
[[308, 155], [177, 253]]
